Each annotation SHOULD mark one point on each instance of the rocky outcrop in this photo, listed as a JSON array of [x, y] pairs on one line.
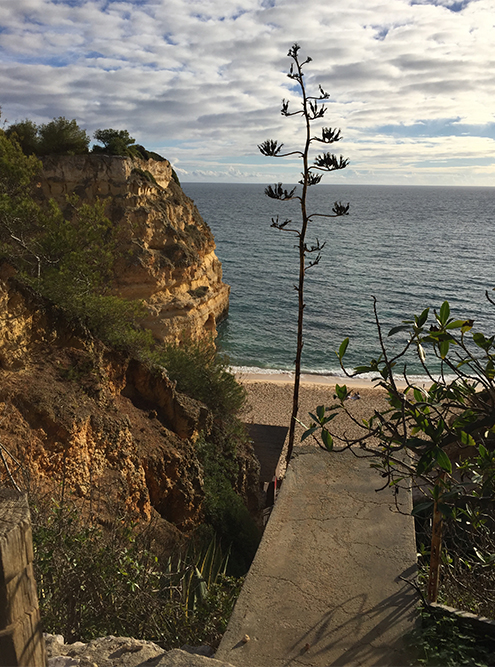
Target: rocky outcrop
[[79, 419], [166, 254], [125, 652]]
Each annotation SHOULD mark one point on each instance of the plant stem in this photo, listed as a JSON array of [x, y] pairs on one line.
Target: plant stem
[[302, 269]]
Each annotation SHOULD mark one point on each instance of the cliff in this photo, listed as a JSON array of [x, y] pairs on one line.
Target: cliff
[[166, 255], [78, 419]]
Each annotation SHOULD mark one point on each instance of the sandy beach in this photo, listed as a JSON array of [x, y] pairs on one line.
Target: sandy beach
[[270, 401]]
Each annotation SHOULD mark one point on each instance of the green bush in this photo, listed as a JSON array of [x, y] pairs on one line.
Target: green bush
[[62, 137], [26, 133], [95, 581], [116, 142], [226, 516], [442, 640], [200, 371]]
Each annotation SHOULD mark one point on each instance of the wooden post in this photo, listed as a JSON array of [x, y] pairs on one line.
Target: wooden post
[[436, 542], [21, 639]]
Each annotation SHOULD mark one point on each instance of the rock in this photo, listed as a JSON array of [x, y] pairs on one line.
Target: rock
[[205, 650], [123, 652], [166, 250], [72, 408], [63, 661]]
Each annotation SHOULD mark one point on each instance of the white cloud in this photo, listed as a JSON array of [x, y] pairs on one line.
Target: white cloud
[[203, 79]]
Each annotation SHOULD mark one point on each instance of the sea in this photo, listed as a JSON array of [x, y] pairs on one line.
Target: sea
[[410, 248]]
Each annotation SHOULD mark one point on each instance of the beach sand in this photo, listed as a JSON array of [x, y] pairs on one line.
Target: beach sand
[[269, 402]]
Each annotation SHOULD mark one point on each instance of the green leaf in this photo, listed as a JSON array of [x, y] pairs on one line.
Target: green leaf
[[456, 324], [422, 507], [343, 348], [418, 395], [425, 462], [401, 327], [309, 432], [467, 439], [327, 440], [329, 418], [483, 451], [422, 318], [320, 411], [416, 443], [480, 340], [341, 391], [444, 348], [444, 313], [443, 460]]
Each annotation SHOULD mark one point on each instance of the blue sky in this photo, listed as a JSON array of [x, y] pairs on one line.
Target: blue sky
[[412, 82]]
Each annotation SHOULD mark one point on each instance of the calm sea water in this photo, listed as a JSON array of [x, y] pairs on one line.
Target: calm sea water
[[410, 247]]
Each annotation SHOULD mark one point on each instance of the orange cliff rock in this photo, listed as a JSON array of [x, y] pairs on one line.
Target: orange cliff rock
[[166, 251], [80, 420]]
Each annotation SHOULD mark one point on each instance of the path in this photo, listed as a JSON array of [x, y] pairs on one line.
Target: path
[[325, 588]]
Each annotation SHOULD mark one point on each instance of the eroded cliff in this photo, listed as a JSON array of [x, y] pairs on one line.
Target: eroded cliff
[[79, 419], [166, 255]]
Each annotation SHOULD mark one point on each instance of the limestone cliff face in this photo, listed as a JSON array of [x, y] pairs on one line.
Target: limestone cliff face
[[166, 253], [111, 432]]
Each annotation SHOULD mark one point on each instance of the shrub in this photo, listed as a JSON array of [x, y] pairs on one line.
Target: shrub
[[116, 142], [95, 581], [200, 371], [26, 133], [441, 439], [62, 137], [441, 640]]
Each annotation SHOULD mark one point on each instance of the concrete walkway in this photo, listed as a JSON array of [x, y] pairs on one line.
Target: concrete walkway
[[324, 588]]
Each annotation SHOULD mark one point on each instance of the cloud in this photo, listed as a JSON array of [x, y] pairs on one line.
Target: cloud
[[204, 78]]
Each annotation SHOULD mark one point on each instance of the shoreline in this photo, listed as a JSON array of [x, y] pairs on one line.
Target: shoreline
[[287, 378]]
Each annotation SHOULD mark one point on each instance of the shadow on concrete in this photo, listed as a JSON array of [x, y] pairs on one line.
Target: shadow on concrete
[[370, 625]]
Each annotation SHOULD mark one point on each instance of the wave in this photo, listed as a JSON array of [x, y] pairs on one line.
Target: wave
[[327, 376]]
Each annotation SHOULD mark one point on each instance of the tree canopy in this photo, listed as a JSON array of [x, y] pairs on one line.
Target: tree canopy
[[58, 137]]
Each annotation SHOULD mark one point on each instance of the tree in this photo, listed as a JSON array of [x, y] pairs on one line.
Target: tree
[[26, 133], [116, 142], [19, 214], [441, 438], [62, 137], [309, 254]]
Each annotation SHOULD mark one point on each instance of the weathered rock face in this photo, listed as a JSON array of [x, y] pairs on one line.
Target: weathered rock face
[[85, 421], [166, 251]]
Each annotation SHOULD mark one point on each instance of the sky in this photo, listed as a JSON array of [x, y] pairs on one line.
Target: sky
[[411, 82]]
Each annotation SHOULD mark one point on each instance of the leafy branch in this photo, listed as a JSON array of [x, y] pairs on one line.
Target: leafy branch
[[441, 438]]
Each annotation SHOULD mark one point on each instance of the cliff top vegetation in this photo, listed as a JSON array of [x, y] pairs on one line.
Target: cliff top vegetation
[[64, 137]]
